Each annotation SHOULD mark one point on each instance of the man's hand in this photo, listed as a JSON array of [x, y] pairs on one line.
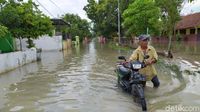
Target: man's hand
[[126, 64], [149, 62]]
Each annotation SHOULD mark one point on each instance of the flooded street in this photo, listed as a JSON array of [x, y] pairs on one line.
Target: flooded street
[[83, 80]]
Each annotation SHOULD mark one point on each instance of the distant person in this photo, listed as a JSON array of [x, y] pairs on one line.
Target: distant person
[[144, 49]]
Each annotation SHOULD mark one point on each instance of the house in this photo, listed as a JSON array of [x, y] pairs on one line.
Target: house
[[189, 27], [60, 24], [56, 42]]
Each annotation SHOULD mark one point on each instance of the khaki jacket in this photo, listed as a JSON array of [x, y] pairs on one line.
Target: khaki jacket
[[150, 70]]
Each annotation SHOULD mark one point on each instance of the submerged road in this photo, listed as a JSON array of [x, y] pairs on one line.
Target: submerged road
[[83, 80]]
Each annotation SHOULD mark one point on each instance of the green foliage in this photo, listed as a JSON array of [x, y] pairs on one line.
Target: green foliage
[[189, 0], [91, 9], [116, 46], [104, 16], [30, 43], [78, 27], [140, 15], [123, 6], [24, 19], [3, 31], [170, 14]]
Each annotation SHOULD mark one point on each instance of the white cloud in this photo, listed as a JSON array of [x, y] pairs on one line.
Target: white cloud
[[65, 6]]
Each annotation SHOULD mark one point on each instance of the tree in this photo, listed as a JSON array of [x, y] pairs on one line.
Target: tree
[[25, 20], [91, 9], [78, 27], [104, 16], [170, 16], [3, 31], [123, 6], [140, 15]]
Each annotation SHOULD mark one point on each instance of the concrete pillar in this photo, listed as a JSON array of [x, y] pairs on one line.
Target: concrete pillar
[[196, 30]]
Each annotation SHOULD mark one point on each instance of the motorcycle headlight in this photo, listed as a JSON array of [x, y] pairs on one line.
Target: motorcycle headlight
[[137, 66]]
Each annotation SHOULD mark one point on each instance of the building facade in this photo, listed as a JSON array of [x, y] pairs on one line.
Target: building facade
[[188, 28]]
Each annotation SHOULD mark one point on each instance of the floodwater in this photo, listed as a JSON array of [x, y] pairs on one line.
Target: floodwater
[[83, 80]]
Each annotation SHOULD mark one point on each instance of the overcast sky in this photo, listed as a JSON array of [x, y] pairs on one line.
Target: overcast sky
[[63, 6], [76, 7], [191, 7]]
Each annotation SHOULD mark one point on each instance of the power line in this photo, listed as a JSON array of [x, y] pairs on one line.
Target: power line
[[45, 9], [56, 6]]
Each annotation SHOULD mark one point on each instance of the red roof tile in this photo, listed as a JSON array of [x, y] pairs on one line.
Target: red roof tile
[[189, 21]]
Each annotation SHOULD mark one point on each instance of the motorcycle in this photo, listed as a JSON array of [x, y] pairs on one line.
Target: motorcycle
[[131, 80]]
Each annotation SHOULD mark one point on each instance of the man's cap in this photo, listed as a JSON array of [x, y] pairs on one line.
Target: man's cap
[[144, 37]]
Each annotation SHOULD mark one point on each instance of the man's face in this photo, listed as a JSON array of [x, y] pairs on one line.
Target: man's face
[[143, 43]]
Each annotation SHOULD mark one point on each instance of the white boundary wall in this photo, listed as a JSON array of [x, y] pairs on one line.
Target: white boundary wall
[[13, 60], [46, 43]]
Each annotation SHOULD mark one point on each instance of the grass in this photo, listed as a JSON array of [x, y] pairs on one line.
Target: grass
[[116, 46]]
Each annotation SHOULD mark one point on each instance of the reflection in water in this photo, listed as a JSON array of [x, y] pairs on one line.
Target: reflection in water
[[67, 52], [81, 79], [185, 50], [77, 48]]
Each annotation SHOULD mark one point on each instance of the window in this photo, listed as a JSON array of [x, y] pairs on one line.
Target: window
[[198, 31], [192, 31], [183, 31]]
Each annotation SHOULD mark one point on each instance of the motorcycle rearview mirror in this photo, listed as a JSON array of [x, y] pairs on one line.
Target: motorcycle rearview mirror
[[146, 56], [121, 58]]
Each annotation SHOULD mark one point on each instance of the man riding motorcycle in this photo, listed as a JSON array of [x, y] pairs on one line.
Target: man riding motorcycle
[[144, 49]]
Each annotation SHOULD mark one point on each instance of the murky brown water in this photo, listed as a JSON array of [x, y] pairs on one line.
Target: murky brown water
[[185, 50], [83, 80]]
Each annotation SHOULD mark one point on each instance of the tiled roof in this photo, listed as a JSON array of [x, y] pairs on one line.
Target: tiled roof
[[189, 21]]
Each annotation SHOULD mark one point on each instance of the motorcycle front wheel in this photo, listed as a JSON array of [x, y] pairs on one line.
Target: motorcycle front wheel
[[143, 103], [138, 92]]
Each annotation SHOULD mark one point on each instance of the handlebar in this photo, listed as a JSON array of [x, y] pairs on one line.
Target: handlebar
[[127, 64], [124, 61]]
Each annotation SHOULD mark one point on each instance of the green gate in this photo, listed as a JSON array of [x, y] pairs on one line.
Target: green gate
[[7, 44]]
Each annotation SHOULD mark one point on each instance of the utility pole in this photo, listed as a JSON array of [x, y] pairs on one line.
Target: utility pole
[[119, 32]]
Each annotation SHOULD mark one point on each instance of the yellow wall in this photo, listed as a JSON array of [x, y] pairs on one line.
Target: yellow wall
[[187, 31]]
